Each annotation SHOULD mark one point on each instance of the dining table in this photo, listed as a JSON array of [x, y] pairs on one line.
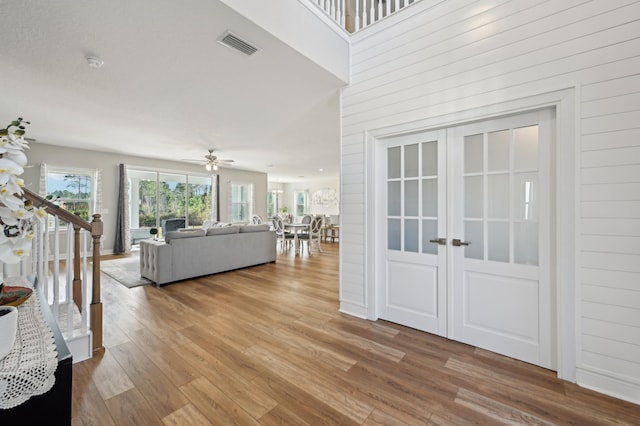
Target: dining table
[[295, 228]]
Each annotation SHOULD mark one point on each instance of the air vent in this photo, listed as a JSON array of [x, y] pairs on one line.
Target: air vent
[[231, 40]]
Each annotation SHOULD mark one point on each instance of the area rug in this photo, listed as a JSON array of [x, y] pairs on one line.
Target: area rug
[[126, 271]]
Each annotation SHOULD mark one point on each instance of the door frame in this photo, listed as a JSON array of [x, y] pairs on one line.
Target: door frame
[[565, 178]]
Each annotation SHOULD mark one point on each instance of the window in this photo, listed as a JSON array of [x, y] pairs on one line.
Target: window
[[241, 206], [273, 202], [199, 200], [73, 190], [271, 199], [301, 203], [156, 197]]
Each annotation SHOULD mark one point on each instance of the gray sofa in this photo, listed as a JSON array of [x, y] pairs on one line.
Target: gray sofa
[[194, 253]]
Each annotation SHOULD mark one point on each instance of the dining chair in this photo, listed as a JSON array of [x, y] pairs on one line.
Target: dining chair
[[256, 219], [285, 238], [314, 235]]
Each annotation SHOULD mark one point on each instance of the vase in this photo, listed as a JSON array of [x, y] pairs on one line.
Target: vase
[[8, 328]]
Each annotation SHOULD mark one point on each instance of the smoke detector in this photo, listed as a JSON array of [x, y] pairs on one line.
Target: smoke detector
[[95, 62]]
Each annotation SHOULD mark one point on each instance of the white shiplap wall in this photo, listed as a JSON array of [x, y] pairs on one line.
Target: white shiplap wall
[[440, 58]]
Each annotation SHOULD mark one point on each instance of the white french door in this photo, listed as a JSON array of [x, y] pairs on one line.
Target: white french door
[[464, 230], [412, 274]]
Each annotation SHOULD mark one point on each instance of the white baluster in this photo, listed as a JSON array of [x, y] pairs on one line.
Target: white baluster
[[397, 5], [84, 282], [364, 13], [40, 268], [388, 8], [380, 11], [45, 258], [69, 278], [56, 266], [357, 17], [372, 12]]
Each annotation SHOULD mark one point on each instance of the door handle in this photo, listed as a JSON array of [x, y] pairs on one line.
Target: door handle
[[456, 242], [441, 241]]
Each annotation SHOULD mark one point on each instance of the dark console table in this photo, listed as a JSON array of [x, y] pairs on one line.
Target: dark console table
[[54, 406]]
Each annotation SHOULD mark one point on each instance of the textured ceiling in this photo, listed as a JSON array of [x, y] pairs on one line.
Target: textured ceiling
[[167, 89]]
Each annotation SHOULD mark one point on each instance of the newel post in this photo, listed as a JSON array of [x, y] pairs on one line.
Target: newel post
[[96, 304]]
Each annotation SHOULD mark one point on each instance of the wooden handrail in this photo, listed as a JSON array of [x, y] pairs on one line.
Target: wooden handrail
[[95, 227], [56, 210]]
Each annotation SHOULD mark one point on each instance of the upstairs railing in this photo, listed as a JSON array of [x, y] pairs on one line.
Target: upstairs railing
[[354, 15], [75, 277]]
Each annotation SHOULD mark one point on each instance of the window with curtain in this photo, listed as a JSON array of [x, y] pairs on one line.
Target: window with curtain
[[241, 205]]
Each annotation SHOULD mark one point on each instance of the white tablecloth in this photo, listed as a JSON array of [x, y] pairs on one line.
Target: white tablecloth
[[29, 368]]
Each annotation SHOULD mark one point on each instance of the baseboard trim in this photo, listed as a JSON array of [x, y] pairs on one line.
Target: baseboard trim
[[353, 309], [606, 384]]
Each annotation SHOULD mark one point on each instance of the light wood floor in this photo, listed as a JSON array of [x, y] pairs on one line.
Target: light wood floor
[[267, 345]]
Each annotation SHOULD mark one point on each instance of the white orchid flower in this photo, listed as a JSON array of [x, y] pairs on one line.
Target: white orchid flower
[[17, 156], [8, 218], [15, 252], [10, 200], [41, 214], [9, 168], [16, 229]]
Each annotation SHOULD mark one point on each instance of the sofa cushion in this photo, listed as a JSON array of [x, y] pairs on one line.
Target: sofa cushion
[[255, 228], [223, 231], [175, 235]]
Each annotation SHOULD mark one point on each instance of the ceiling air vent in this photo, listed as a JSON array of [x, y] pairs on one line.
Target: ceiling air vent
[[231, 40]]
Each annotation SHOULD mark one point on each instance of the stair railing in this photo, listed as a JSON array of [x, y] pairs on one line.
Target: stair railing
[[354, 15], [76, 264]]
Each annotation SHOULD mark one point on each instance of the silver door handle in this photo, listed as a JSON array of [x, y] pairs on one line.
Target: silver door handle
[[441, 241], [456, 242]]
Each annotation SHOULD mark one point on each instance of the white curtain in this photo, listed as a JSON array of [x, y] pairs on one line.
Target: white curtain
[[42, 190]]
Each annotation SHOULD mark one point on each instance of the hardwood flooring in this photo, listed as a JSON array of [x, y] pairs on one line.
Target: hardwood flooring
[[266, 345]]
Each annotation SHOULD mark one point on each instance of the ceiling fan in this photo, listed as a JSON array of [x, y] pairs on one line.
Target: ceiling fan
[[211, 161]]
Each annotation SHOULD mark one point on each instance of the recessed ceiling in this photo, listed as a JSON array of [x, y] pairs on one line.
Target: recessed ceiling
[[167, 89]]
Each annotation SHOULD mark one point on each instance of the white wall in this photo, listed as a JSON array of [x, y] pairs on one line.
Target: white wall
[[302, 26], [56, 156], [437, 59], [310, 187]]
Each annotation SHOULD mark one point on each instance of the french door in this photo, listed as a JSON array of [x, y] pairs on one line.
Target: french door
[[464, 232]]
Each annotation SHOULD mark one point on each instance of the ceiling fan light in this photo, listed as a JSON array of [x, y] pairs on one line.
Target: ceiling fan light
[[215, 167], [208, 167]]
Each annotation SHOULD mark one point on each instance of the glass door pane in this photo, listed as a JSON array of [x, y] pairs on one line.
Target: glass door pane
[[200, 196], [172, 200], [500, 195], [143, 199]]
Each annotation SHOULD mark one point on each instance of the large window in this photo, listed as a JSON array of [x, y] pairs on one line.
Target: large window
[[273, 202], [200, 200], [157, 197], [73, 190], [241, 206], [301, 203]]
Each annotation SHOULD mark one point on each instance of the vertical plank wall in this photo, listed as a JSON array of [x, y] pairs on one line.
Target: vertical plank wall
[[440, 57]]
